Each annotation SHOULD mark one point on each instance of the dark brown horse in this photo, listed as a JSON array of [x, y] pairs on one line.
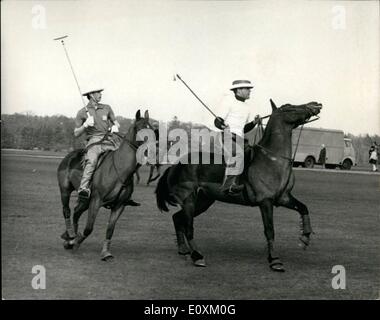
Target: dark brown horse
[[112, 187], [268, 178]]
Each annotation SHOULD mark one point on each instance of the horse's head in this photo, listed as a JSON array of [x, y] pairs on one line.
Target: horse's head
[[142, 122], [296, 115]]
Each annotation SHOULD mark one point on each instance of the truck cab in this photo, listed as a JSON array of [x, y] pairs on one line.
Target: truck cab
[[349, 156]]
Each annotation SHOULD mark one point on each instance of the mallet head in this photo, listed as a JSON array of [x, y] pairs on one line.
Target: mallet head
[[60, 38]]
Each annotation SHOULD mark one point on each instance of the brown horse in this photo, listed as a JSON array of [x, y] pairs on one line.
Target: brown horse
[[268, 178], [112, 186]]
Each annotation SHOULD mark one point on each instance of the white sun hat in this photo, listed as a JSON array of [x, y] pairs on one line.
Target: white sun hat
[[91, 89], [241, 84]]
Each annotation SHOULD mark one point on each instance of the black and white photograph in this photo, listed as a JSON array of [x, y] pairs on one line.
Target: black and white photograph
[[190, 151]]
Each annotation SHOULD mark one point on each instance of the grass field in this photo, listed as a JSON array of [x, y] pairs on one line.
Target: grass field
[[344, 211]]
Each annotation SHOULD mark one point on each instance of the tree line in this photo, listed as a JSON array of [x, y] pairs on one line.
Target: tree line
[[28, 131]]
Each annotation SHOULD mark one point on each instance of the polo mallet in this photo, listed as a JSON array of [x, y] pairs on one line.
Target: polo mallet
[[72, 70], [195, 95], [177, 75]]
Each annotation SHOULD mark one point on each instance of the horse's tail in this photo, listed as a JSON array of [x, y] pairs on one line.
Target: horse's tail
[[162, 192], [76, 154]]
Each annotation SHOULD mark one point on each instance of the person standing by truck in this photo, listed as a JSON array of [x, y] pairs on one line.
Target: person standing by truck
[[323, 156], [373, 156]]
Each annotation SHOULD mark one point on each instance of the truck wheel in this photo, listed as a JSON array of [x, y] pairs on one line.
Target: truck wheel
[[309, 162], [346, 165]]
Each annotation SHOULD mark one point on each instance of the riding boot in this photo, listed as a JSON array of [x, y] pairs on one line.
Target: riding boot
[[230, 185]]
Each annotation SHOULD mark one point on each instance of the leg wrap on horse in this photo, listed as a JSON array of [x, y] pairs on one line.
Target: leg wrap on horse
[[106, 245], [106, 254], [69, 228], [305, 225]]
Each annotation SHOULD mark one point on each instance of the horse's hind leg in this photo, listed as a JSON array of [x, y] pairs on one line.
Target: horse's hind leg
[[114, 216], [188, 210], [81, 207], [137, 173], [93, 209], [151, 170], [179, 225], [65, 199], [157, 166], [305, 225], [69, 234], [193, 206]]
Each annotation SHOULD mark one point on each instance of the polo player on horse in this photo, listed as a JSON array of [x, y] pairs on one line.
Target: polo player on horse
[[235, 122], [99, 123]]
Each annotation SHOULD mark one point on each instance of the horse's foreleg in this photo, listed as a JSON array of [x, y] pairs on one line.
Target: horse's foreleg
[[151, 170], [114, 216], [305, 225], [266, 208]]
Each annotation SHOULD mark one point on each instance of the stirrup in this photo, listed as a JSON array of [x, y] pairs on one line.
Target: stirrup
[[235, 188]]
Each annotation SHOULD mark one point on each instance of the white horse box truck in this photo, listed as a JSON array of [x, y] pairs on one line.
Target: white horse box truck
[[339, 150]]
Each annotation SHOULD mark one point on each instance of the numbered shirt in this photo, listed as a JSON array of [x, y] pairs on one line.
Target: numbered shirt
[[103, 119]]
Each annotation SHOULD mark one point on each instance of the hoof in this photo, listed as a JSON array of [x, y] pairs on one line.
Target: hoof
[[304, 242], [106, 256], [184, 252], [65, 236], [67, 245], [276, 265], [76, 242], [132, 203], [198, 259], [200, 263]]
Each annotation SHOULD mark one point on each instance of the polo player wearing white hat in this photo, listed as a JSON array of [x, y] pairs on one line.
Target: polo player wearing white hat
[[235, 122], [96, 120]]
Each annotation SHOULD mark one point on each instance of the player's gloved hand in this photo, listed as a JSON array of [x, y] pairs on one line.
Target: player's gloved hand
[[89, 122], [257, 119], [219, 123], [114, 128]]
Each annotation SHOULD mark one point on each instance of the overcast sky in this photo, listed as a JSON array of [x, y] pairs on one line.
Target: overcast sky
[[293, 52]]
